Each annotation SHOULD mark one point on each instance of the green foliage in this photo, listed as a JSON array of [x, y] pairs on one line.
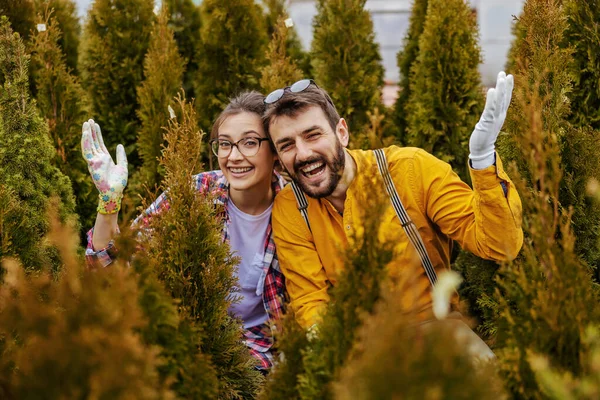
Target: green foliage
[[115, 41], [181, 362], [293, 47], [546, 299], [577, 144], [346, 59], [401, 359], [163, 72], [583, 35], [21, 15], [282, 70], [65, 13], [406, 58], [62, 103], [26, 153], [75, 336], [478, 287], [193, 262], [445, 86], [231, 54], [317, 362], [185, 22], [557, 385], [282, 383]]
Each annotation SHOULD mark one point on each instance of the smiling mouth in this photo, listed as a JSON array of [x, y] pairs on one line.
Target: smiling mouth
[[240, 170], [314, 169]]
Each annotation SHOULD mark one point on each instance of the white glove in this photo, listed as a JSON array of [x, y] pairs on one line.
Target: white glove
[[483, 138], [110, 178]]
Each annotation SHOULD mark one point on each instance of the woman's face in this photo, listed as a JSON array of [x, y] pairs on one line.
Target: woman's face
[[245, 172]]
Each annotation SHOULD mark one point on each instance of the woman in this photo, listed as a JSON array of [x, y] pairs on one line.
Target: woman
[[245, 185]]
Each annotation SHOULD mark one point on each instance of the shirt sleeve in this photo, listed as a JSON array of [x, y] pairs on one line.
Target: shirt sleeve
[[99, 258], [305, 277], [106, 256], [485, 220]]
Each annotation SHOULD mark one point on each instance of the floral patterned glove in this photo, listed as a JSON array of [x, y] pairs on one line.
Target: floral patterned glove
[[110, 178]]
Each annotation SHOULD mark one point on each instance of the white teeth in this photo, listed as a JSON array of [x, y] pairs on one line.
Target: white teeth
[[312, 167], [239, 170]]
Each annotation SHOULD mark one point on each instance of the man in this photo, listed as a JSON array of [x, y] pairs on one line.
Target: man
[[310, 139]]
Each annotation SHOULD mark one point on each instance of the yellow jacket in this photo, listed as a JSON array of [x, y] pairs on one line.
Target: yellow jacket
[[483, 221]]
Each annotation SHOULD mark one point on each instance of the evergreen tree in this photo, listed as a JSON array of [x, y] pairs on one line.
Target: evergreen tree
[[231, 54], [314, 364], [163, 72], [61, 336], [546, 298], [276, 9], [21, 15], [583, 35], [406, 58], [115, 41], [185, 22], [282, 70], [445, 86], [400, 358], [26, 153], [63, 104], [193, 262], [65, 13], [346, 59], [577, 141]]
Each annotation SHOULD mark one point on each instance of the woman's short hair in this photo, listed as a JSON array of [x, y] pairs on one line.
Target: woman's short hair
[[251, 101]]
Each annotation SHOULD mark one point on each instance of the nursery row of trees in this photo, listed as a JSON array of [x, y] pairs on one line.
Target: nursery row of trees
[[160, 329]]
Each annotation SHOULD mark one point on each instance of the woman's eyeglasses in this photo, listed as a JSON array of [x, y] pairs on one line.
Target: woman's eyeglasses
[[248, 146]]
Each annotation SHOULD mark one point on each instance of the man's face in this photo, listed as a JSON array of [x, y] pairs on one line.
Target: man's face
[[311, 152]]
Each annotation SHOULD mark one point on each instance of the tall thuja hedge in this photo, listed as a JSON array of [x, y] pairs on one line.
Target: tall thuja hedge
[[21, 15], [65, 13], [185, 22], [583, 35], [546, 298], [578, 139], [26, 155], [163, 72], [406, 58], [230, 56], [193, 262], [312, 366], [63, 103], [276, 9], [74, 334], [114, 43], [346, 59], [282, 70], [445, 85]]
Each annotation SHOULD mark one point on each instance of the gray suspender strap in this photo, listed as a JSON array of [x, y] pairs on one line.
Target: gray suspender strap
[[301, 202], [409, 227]]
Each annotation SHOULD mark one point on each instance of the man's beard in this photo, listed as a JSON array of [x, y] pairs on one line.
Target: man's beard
[[335, 167]]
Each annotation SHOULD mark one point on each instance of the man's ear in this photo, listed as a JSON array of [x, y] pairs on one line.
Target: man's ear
[[342, 132]]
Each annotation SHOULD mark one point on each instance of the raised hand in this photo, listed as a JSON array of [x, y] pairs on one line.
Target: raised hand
[[483, 139], [110, 178]]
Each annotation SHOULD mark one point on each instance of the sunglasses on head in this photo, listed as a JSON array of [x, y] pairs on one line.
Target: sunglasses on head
[[297, 87]]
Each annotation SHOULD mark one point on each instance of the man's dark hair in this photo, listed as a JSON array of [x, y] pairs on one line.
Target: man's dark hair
[[292, 104], [252, 102]]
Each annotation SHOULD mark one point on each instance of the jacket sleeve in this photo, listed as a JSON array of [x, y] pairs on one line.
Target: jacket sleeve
[[485, 220], [305, 277]]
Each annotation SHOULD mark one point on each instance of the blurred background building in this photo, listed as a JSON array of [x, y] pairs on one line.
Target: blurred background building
[[390, 18]]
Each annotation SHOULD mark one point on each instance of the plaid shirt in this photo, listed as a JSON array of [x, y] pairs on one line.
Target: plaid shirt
[[271, 285]]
